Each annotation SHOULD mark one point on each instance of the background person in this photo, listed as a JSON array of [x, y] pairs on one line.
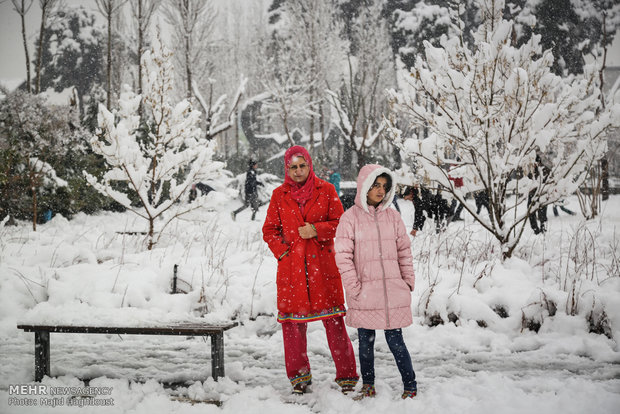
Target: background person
[[334, 179], [251, 191], [538, 217], [422, 200]]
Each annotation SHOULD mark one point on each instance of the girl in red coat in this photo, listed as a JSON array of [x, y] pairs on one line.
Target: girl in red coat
[[300, 226]]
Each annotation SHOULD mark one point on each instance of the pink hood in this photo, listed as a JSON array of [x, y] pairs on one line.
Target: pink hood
[[366, 177]]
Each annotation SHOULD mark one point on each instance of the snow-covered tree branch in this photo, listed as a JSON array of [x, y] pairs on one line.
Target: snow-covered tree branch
[[214, 111], [161, 167], [512, 127]]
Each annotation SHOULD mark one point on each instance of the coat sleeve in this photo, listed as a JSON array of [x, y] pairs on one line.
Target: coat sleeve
[[272, 228], [326, 230], [344, 246], [405, 258]]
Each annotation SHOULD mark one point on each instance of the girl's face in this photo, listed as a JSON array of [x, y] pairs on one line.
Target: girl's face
[[298, 170], [377, 191]]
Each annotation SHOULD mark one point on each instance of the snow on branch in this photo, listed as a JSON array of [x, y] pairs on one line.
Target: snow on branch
[[214, 111], [159, 168], [513, 128]]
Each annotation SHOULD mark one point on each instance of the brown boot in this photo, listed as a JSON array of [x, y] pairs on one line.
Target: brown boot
[[367, 391]]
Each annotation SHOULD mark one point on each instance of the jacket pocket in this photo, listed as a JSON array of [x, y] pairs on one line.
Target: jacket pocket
[[283, 276]]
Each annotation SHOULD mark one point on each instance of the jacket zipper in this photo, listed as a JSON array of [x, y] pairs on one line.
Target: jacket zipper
[[385, 296]]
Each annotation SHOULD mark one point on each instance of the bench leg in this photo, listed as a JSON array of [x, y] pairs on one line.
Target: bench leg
[[41, 355], [217, 355]]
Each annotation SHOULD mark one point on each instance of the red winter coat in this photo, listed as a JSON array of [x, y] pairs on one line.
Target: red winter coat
[[308, 280]]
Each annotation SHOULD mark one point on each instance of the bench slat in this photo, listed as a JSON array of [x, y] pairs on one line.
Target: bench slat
[[178, 329]]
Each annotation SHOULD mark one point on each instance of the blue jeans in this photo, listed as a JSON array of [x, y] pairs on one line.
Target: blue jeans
[[394, 338]]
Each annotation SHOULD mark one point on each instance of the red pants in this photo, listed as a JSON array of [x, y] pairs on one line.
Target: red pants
[[296, 356]]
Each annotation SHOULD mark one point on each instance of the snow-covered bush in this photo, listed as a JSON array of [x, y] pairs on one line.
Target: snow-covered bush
[[159, 168], [35, 138], [497, 113]]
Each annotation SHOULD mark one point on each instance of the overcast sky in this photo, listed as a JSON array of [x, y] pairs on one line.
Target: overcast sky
[[12, 61]]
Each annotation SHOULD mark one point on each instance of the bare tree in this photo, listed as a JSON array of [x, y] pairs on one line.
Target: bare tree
[[108, 9], [213, 110], [241, 29], [123, 71], [287, 90], [142, 12], [192, 22], [46, 7], [362, 101], [314, 30], [22, 7]]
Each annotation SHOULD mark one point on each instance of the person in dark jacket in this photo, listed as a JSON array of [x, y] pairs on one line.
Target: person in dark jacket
[[538, 217], [423, 201], [481, 197], [251, 191], [202, 187]]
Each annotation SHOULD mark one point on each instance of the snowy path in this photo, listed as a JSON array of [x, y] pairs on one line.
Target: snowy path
[[491, 373], [462, 369]]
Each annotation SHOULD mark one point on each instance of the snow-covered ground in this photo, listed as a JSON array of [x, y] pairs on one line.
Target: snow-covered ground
[[83, 271]]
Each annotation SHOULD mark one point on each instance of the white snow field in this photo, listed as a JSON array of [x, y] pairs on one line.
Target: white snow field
[[82, 271]]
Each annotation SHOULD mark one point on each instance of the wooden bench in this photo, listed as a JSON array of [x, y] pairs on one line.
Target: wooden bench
[[42, 340]]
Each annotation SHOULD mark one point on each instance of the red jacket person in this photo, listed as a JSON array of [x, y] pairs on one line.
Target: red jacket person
[[299, 228]]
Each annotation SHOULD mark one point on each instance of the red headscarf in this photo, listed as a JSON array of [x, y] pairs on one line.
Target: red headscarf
[[301, 193]]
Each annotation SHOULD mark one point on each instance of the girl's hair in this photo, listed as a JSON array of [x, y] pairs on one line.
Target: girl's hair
[[388, 177]]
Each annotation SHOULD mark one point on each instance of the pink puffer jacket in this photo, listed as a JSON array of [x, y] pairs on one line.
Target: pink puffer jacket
[[373, 254]]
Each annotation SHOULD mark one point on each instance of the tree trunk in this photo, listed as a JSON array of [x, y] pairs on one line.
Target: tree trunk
[[347, 158], [312, 136], [322, 129], [109, 72], [361, 159], [37, 88], [237, 131], [188, 68], [34, 201], [152, 191], [23, 17], [604, 163], [288, 134], [151, 234], [140, 47]]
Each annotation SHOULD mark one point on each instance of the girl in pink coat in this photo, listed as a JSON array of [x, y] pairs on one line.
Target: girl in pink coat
[[373, 255]]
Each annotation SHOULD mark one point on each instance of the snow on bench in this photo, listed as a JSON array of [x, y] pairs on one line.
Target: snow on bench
[[215, 331]]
